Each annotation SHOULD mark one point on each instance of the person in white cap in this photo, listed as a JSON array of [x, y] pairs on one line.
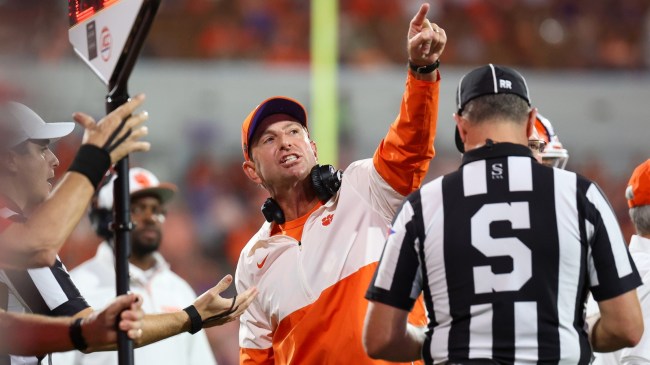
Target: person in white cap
[[25, 168], [150, 275], [33, 227]]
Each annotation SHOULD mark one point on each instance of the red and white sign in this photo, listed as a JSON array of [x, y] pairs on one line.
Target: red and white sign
[[105, 44], [115, 18]]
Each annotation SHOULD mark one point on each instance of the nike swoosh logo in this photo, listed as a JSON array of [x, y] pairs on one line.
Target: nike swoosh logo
[[261, 264]]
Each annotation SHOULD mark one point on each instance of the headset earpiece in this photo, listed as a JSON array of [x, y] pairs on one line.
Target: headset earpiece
[[272, 211], [326, 181], [101, 219]]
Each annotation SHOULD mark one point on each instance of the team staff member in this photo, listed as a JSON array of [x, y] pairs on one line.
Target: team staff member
[[313, 263], [555, 155], [638, 199], [36, 241], [505, 251], [536, 145], [149, 273], [49, 291]]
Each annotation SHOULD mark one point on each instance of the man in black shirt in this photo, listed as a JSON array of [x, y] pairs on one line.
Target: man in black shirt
[[505, 250]]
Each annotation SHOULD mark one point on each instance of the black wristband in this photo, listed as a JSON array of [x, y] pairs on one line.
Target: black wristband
[[424, 69], [76, 336], [92, 162], [230, 311], [196, 323]]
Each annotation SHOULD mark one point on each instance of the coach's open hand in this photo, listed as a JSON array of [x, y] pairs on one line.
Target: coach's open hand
[[101, 133], [215, 310], [426, 41]]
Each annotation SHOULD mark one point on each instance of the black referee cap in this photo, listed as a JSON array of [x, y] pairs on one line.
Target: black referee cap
[[488, 79]]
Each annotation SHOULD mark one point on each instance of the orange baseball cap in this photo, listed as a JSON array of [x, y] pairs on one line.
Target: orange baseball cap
[[638, 189], [270, 106]]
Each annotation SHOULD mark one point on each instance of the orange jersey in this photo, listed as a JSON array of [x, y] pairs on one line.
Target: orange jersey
[[310, 307]]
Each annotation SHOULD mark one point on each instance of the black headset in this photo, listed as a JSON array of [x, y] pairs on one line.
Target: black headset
[[326, 181], [101, 218]]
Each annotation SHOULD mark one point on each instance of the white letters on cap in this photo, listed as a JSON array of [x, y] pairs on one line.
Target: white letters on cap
[[505, 84]]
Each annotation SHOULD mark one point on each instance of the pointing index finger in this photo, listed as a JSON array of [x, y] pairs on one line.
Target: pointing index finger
[[420, 17]]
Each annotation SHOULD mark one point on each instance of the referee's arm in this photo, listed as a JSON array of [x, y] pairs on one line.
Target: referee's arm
[[387, 334], [37, 241], [619, 323]]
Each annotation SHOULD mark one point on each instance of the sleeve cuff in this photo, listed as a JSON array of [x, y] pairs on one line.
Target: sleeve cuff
[[384, 297], [625, 284]]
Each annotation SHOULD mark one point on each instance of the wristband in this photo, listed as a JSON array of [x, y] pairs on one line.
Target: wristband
[[424, 69], [196, 323], [76, 336], [92, 162]]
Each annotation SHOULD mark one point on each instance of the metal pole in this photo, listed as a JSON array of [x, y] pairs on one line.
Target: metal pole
[[122, 226], [105, 13]]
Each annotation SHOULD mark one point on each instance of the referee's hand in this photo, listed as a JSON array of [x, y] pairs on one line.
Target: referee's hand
[[127, 139], [99, 329]]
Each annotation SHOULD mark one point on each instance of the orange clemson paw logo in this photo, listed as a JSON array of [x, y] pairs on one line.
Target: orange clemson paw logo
[[327, 220], [142, 179]]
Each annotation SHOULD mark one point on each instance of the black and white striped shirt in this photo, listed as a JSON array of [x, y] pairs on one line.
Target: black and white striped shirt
[[505, 250], [47, 291]]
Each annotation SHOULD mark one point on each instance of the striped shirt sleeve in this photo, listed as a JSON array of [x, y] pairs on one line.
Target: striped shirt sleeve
[[48, 291], [398, 281], [611, 269]]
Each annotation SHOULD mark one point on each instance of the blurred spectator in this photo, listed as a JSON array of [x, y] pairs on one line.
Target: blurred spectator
[[162, 289], [533, 33]]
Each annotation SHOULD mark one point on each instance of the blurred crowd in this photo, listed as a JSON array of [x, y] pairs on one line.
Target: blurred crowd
[[532, 33], [218, 209]]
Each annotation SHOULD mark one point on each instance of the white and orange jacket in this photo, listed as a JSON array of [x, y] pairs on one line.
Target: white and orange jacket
[[310, 307]]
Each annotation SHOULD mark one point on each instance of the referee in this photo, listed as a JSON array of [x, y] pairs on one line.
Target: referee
[[505, 250]]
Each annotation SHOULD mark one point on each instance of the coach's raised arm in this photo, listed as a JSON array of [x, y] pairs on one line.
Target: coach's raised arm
[[34, 242]]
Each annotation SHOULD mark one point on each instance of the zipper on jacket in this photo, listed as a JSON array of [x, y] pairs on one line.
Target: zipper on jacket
[[301, 272]]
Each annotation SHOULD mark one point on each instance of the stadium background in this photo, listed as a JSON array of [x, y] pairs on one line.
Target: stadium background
[[207, 63]]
